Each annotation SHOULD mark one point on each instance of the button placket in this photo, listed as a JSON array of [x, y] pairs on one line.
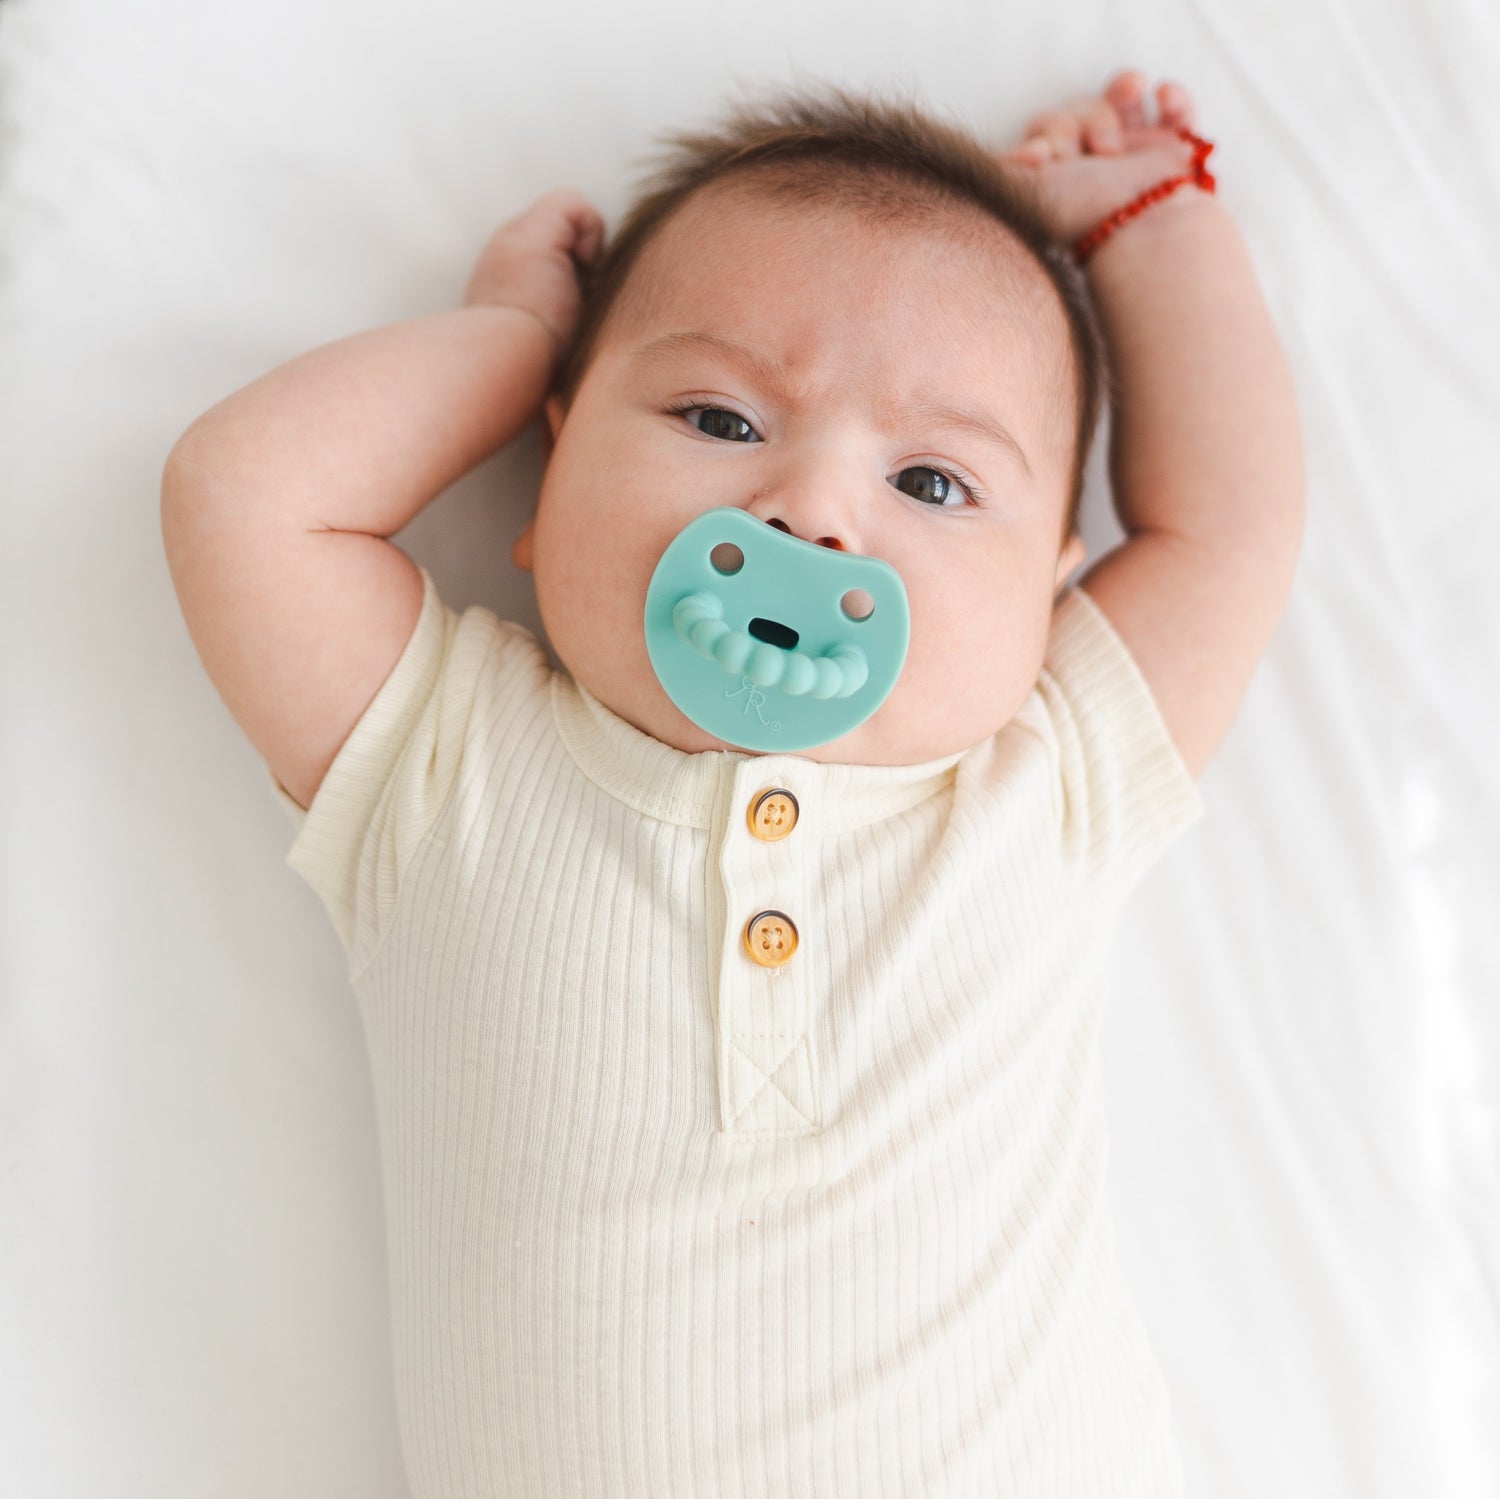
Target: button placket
[[767, 1069]]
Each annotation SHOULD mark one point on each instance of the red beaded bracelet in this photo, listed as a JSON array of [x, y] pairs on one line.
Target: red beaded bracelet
[[1083, 248]]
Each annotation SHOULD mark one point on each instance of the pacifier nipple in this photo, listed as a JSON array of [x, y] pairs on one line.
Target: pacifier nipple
[[763, 654]]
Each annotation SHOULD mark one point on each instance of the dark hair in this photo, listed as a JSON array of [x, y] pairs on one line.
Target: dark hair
[[873, 154]]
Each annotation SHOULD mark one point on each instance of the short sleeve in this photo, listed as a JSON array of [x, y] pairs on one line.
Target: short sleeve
[[388, 783], [1126, 792]]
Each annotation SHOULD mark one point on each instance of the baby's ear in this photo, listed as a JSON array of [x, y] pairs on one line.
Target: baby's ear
[[1074, 554], [520, 551], [552, 417]]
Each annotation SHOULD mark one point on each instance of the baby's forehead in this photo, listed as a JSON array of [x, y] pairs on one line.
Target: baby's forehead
[[919, 224], [873, 212]]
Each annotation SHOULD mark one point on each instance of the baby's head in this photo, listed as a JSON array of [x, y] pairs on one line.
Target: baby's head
[[789, 322]]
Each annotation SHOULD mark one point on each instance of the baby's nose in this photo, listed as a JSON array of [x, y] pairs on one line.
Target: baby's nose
[[823, 541]]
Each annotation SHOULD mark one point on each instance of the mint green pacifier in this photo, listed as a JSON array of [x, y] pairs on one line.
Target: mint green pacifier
[[749, 632]]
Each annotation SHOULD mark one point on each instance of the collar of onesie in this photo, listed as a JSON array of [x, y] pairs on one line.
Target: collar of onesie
[[686, 787]]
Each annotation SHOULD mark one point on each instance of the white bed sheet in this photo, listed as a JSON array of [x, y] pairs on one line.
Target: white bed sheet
[[1302, 1048]]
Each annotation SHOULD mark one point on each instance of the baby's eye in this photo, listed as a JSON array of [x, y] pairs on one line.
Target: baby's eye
[[930, 484], [933, 486], [718, 422]]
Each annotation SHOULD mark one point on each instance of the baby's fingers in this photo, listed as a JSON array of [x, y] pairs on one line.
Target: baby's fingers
[[1122, 108], [560, 220], [1101, 126], [1087, 124], [1127, 93], [585, 224], [590, 237], [1177, 107], [1060, 129]]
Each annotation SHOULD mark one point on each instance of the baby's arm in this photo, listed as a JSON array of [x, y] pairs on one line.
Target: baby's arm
[[1206, 457], [277, 502]]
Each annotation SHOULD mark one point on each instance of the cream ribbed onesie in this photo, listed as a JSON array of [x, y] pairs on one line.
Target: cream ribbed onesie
[[668, 1221]]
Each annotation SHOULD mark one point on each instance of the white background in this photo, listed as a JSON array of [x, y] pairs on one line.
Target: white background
[[1302, 1049]]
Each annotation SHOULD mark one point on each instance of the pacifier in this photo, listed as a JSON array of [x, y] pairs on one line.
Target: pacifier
[[750, 631]]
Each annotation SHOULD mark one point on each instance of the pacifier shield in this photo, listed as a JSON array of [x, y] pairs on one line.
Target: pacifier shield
[[765, 656]]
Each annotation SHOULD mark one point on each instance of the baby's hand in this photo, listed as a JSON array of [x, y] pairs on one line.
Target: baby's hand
[[532, 261], [1094, 155]]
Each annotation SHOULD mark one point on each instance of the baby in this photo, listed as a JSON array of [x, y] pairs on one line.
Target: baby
[[741, 1114]]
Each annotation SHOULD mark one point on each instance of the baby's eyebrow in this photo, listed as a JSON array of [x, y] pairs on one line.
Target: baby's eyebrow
[[971, 421], [769, 373]]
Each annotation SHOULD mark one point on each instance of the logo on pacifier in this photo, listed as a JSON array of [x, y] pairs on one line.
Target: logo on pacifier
[[734, 596], [754, 698]]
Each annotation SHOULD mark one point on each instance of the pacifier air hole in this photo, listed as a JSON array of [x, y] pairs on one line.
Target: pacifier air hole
[[727, 558], [857, 604]]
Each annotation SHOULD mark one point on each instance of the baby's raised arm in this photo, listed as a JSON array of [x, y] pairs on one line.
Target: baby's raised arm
[[1206, 456], [276, 504]]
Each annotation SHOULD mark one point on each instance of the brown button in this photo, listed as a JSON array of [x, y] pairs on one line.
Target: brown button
[[772, 814], [770, 938]]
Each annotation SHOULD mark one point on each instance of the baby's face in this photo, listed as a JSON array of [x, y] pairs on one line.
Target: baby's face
[[834, 441]]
